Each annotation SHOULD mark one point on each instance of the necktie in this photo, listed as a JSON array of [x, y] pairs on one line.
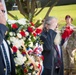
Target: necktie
[[6, 60], [58, 56]]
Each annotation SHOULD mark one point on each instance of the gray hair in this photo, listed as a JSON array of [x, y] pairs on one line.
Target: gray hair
[[48, 21]]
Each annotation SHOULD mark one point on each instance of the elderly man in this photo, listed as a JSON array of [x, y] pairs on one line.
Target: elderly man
[[7, 66], [53, 62]]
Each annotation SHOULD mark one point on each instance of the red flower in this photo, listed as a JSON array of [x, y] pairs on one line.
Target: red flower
[[25, 70], [14, 26], [14, 48], [23, 33], [32, 23], [30, 51], [39, 65], [34, 34], [67, 32], [30, 29], [42, 57], [38, 31], [31, 64], [23, 52]]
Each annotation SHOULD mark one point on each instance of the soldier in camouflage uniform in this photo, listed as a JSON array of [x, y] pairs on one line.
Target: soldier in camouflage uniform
[[66, 35]]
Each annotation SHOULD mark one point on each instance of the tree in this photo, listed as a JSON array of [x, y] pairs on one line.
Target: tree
[[29, 8], [9, 4]]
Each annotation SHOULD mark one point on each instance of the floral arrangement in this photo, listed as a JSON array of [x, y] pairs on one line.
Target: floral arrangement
[[26, 46]]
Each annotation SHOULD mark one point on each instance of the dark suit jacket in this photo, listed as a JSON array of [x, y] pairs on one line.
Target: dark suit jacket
[[3, 29], [49, 52]]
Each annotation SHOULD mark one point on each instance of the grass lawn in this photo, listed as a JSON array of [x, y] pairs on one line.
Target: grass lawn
[[58, 11]]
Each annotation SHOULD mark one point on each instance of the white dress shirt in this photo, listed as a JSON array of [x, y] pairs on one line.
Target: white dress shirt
[[59, 49], [7, 49]]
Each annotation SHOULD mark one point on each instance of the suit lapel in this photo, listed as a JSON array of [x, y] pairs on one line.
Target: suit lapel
[[2, 56]]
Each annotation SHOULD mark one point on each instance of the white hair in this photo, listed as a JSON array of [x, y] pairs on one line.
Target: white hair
[[48, 21]]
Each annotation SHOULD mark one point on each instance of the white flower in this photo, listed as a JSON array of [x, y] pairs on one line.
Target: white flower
[[19, 35], [33, 27], [31, 44], [24, 38], [16, 42], [31, 67], [29, 38], [27, 33], [22, 21], [29, 73], [12, 39], [11, 21], [34, 73], [11, 33], [19, 59], [34, 38]]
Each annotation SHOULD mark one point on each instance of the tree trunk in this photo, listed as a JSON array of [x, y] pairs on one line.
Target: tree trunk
[[49, 10]]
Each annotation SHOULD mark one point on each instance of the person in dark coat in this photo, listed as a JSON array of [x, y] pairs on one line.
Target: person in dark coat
[[53, 60], [7, 65]]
